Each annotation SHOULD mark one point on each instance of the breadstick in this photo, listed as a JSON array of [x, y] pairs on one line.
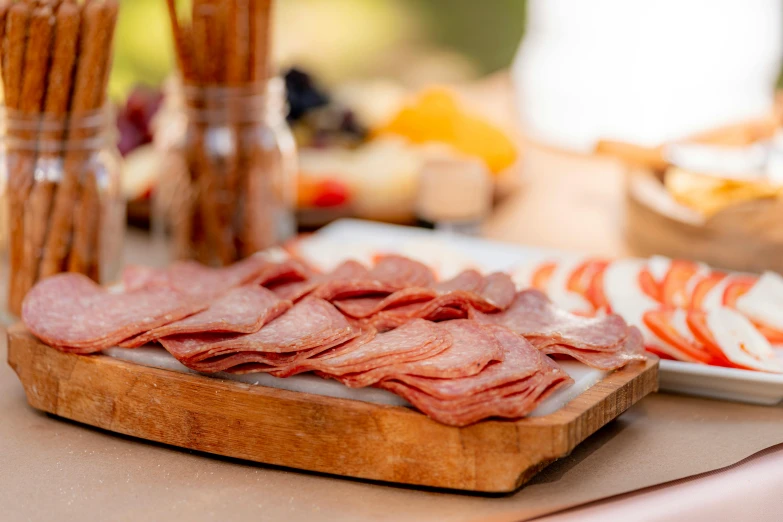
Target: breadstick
[[94, 48], [84, 253], [66, 37], [20, 166], [5, 5], [205, 44]]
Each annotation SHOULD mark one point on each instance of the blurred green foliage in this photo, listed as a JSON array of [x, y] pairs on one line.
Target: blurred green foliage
[[487, 31], [143, 51]]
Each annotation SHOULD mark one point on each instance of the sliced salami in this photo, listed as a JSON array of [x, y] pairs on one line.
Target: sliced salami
[[413, 341], [490, 294], [242, 310], [402, 272], [533, 316], [473, 346], [192, 278], [631, 349], [520, 361], [467, 280], [511, 401], [296, 290], [72, 312], [499, 290], [259, 361], [309, 324], [137, 277], [361, 308]]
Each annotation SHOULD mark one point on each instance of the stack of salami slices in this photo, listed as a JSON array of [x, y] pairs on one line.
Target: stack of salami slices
[[685, 310], [459, 350]]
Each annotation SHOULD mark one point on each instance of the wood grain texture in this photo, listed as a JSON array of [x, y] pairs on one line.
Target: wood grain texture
[[311, 432]]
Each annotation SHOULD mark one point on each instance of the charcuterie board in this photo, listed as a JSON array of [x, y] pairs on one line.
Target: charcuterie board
[[312, 432]]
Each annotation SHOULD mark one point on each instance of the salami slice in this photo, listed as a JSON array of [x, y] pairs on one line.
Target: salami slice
[[72, 312], [296, 290], [278, 364], [498, 289], [473, 346], [533, 316], [402, 272], [196, 279], [490, 294], [286, 365], [631, 349], [291, 270], [467, 280], [454, 305], [241, 310], [511, 401], [192, 278], [137, 277], [309, 324], [520, 361], [413, 341], [332, 290], [365, 307]]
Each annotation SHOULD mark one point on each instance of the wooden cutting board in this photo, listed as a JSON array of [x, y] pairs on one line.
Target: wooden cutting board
[[312, 432]]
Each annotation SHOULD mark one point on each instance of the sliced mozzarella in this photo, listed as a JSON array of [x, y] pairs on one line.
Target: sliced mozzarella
[[659, 267], [680, 323], [690, 286], [625, 297], [764, 301], [740, 341], [622, 290], [557, 288], [714, 298]]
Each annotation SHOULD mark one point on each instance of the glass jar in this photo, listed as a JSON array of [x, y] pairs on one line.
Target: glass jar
[[63, 202], [227, 188]]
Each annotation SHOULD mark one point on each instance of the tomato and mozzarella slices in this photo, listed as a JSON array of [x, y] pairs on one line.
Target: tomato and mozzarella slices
[[685, 310]]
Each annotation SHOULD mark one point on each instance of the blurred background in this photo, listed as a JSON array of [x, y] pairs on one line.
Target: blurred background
[[670, 107], [412, 41]]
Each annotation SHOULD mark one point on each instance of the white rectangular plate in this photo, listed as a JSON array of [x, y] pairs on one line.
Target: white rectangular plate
[[350, 238]]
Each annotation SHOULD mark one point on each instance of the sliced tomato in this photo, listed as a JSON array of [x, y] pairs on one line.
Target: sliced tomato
[[542, 275], [576, 281], [697, 323], [580, 279], [649, 285], [773, 335], [702, 288], [660, 353], [660, 323], [737, 287], [674, 287], [596, 294]]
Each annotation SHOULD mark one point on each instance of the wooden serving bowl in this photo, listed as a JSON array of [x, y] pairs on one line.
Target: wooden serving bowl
[[747, 236]]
